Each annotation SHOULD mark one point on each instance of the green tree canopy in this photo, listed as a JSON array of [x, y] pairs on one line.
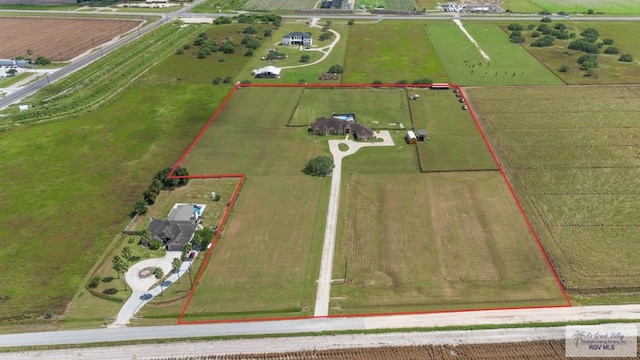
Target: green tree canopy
[[202, 238], [336, 69], [319, 166], [167, 183]]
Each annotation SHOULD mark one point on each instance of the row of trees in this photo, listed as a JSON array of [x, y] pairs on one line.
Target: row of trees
[[274, 19], [160, 181]]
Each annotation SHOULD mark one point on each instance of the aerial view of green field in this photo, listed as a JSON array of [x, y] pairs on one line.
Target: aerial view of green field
[[564, 60], [520, 191], [255, 254], [389, 52], [576, 171], [508, 64], [583, 6]]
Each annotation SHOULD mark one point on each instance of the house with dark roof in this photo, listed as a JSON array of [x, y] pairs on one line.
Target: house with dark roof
[[174, 234], [297, 38], [335, 126]]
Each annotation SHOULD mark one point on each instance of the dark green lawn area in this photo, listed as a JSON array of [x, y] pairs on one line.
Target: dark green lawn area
[[390, 51]]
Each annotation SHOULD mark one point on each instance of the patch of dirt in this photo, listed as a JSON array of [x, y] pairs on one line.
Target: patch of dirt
[[59, 39]]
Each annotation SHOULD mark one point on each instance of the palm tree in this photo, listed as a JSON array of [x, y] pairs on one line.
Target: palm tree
[[175, 266], [120, 266], [159, 274]]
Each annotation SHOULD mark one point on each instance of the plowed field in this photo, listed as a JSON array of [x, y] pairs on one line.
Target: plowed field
[[539, 350], [58, 39]]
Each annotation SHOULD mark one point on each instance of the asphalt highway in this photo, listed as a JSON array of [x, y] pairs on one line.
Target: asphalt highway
[[323, 324]]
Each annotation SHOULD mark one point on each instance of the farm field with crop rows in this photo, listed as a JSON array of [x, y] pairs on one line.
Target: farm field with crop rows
[[63, 39], [574, 164]]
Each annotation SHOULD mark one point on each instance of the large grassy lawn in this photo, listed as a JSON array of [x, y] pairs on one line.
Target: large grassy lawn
[[455, 142], [521, 6], [580, 6], [390, 51], [419, 242], [69, 186], [509, 65], [577, 171], [268, 257], [390, 106]]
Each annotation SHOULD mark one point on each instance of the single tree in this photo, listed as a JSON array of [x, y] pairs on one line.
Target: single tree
[[176, 263], [336, 69], [29, 52], [159, 274], [145, 236], [626, 58], [250, 30], [139, 208], [120, 266], [126, 253], [319, 166], [326, 35], [117, 265], [611, 50], [267, 33], [351, 22], [564, 68], [12, 72], [305, 58], [202, 238]]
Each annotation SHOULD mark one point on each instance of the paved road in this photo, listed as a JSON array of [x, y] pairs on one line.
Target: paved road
[[292, 344], [520, 316]]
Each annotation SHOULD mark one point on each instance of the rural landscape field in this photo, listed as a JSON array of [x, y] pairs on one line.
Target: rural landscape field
[[576, 170], [521, 190], [49, 44]]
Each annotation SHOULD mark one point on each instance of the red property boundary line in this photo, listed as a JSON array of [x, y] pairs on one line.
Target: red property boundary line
[[515, 197], [241, 178]]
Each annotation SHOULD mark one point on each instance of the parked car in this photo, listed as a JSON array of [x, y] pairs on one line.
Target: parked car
[[192, 255]]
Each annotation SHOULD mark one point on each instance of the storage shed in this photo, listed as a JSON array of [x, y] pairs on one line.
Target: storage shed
[[411, 137], [422, 134]]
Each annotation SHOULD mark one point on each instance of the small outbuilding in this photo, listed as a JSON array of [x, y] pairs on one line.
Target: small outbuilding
[[422, 134], [267, 72], [410, 137], [440, 86]]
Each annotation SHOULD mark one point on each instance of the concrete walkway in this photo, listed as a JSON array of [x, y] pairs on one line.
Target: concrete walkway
[[328, 247], [141, 286]]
